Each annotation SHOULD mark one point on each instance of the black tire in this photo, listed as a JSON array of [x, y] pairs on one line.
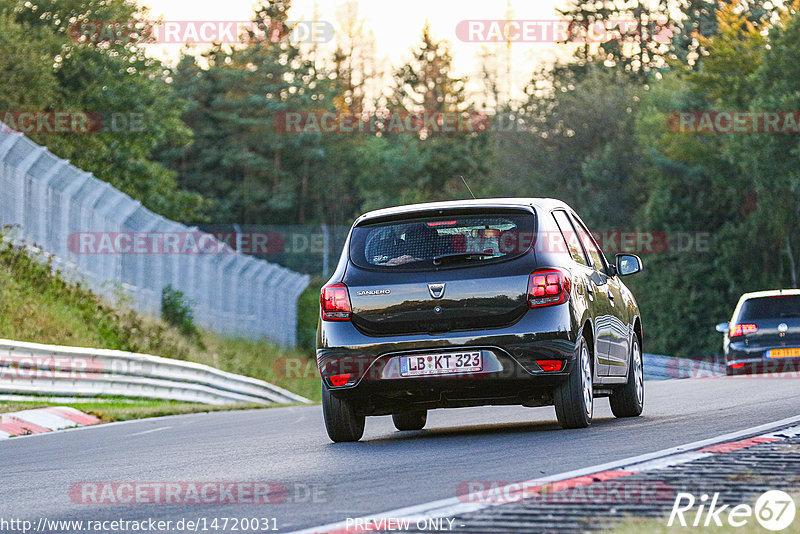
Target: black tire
[[574, 398], [341, 420], [410, 420], [628, 400]]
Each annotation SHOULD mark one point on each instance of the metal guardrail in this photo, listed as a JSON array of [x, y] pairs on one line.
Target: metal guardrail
[[49, 203], [657, 367], [37, 369]]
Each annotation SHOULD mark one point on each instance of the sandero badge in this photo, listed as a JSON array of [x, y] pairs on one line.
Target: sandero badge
[[374, 292], [524, 309]]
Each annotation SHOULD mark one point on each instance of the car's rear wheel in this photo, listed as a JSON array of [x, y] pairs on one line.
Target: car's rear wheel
[[410, 420], [341, 420], [628, 400], [574, 398]]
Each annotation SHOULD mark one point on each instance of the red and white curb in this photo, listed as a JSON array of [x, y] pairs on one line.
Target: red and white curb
[[43, 420], [473, 502]]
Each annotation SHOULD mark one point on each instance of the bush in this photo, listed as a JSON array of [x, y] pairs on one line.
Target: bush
[[308, 315], [177, 311]]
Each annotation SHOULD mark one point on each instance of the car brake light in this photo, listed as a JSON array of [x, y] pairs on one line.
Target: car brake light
[[334, 301], [742, 329], [737, 365], [547, 287], [339, 380], [550, 365]]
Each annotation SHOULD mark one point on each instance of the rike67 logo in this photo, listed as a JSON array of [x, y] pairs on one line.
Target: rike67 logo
[[774, 510]]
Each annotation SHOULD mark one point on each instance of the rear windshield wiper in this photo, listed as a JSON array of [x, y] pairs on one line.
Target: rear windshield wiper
[[789, 314], [438, 260]]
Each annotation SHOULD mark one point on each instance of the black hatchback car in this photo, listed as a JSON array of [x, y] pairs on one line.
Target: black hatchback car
[[479, 302], [763, 334]]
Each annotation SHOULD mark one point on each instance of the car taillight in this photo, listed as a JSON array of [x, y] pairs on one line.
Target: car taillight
[[334, 301], [547, 287], [340, 380], [742, 329], [550, 365]]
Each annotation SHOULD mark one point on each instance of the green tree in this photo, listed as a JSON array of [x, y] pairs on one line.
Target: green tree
[[574, 141], [771, 159], [693, 190], [426, 83], [637, 33], [58, 70], [730, 57], [253, 173], [699, 19], [739, 188]]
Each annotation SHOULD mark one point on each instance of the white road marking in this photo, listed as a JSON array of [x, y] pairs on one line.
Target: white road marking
[[667, 461], [183, 416], [149, 431], [454, 506]]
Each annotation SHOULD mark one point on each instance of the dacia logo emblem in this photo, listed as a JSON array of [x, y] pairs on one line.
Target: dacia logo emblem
[[436, 290]]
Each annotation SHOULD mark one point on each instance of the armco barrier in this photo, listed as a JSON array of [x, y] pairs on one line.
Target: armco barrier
[[657, 367], [37, 369], [44, 200]]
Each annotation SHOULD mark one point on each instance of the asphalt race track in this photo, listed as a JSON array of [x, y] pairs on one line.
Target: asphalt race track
[[327, 482]]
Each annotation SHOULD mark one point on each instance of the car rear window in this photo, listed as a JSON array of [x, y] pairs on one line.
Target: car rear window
[[770, 308], [437, 242]]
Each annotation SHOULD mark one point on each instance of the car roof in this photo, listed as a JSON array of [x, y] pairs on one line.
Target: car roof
[[770, 293], [540, 203]]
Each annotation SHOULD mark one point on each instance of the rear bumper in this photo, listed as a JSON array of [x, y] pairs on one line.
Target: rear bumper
[[740, 358], [510, 374]]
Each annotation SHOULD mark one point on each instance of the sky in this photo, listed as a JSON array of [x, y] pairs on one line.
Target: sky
[[396, 26]]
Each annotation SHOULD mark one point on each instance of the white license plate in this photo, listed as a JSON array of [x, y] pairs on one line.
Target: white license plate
[[441, 364]]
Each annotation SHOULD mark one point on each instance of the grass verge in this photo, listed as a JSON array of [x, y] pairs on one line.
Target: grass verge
[[635, 525], [39, 305]]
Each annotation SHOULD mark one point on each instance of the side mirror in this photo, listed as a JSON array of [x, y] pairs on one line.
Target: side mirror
[[628, 264], [723, 328]]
